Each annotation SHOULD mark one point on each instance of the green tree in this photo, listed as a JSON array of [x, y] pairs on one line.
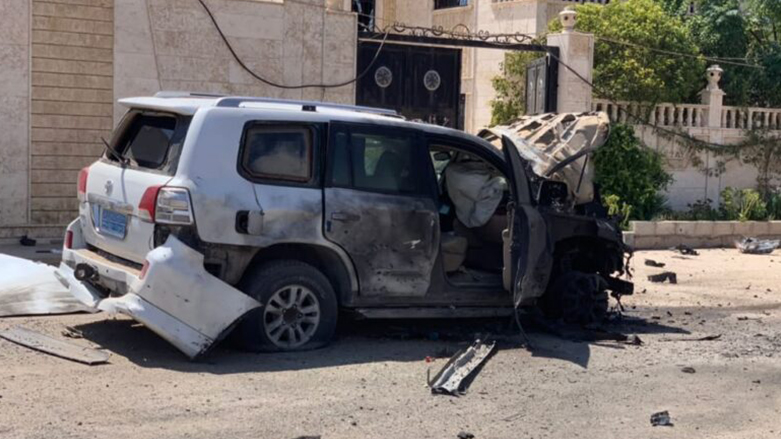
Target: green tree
[[623, 72], [633, 71], [510, 88], [630, 176]]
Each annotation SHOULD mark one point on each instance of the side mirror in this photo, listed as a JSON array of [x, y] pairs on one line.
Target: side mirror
[[552, 193]]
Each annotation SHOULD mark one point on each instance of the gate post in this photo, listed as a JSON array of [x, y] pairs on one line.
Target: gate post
[[576, 50]]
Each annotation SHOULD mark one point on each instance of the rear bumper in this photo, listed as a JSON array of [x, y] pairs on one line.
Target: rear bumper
[[177, 299]]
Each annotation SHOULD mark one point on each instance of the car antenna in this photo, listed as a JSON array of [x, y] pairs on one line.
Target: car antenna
[[113, 151]]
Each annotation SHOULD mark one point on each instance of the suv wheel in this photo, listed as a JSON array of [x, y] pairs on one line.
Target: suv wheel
[[299, 308], [577, 298]]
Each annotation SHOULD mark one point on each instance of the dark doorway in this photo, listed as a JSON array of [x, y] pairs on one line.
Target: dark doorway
[[419, 82]]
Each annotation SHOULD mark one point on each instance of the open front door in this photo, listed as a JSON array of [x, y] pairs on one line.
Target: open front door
[[530, 252]]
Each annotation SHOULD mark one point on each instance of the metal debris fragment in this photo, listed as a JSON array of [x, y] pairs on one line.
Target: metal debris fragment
[[756, 246], [459, 372], [32, 288], [666, 276], [706, 338], [71, 332], [52, 346], [652, 263], [686, 250], [661, 419]]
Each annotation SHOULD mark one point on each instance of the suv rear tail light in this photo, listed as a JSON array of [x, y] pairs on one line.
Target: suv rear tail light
[[144, 269], [173, 206], [166, 205], [82, 185], [146, 208], [69, 239]]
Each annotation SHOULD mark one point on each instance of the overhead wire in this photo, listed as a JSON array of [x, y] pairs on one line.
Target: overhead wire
[[387, 30], [681, 54], [285, 86]]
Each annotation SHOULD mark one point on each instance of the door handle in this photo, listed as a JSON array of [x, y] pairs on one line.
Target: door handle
[[344, 216]]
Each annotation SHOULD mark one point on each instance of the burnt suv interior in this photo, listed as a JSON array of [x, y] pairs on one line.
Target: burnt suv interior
[[473, 198]]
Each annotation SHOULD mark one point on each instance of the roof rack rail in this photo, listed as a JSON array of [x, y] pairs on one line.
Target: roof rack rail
[[187, 94], [235, 101]]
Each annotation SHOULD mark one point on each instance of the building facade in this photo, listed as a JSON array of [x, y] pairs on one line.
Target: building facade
[[64, 64]]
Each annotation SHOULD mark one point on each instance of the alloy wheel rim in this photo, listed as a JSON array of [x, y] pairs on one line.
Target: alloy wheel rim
[[291, 316]]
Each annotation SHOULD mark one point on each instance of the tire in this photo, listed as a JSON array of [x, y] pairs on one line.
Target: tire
[[577, 297], [299, 309]]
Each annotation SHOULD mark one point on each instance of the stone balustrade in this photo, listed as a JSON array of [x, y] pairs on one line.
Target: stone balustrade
[[690, 115], [752, 117]]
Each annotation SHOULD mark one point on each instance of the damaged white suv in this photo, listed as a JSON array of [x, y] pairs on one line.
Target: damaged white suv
[[209, 214]]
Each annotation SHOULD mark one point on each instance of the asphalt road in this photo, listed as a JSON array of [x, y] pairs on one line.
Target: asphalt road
[[372, 381]]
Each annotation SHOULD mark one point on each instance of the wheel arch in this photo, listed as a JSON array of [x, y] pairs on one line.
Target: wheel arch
[[339, 272], [588, 254]]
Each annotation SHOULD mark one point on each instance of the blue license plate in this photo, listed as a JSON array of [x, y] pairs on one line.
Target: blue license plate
[[113, 223]]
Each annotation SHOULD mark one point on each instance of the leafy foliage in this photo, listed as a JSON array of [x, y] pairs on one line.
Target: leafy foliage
[[746, 31], [631, 172], [510, 88], [633, 72], [743, 205]]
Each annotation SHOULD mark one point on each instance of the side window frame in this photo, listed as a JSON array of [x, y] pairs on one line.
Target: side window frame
[[421, 167], [315, 175]]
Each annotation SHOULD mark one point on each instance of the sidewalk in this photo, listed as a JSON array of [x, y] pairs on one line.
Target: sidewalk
[[47, 253]]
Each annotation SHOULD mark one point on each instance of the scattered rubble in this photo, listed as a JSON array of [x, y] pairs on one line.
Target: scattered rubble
[[686, 250], [460, 371], [756, 246], [666, 276], [661, 419], [52, 346], [652, 263], [27, 242]]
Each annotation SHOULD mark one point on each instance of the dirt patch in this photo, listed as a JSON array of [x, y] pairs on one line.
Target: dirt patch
[[372, 381]]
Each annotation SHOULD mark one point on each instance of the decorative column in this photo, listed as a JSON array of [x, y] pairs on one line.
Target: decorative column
[[713, 96], [576, 50]]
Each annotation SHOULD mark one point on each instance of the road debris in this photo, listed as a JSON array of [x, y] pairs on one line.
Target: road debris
[[661, 419], [52, 346], [706, 338], [465, 435], [754, 246], [71, 332], [31, 288], [27, 242], [666, 276], [652, 263], [460, 371], [688, 369], [686, 250]]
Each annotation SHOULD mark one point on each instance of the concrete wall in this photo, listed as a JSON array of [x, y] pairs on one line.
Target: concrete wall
[[691, 183], [172, 45], [646, 235], [14, 111], [71, 100]]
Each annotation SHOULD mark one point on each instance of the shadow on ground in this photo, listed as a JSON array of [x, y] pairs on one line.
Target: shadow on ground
[[370, 341]]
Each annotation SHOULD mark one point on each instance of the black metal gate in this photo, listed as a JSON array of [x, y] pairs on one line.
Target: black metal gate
[[419, 82], [418, 70]]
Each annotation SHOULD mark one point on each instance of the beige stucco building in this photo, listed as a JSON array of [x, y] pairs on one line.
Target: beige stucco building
[[64, 63]]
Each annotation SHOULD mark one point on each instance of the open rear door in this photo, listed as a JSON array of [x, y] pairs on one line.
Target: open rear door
[[530, 251]]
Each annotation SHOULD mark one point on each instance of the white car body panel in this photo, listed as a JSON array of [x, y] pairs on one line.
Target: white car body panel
[[177, 299]]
